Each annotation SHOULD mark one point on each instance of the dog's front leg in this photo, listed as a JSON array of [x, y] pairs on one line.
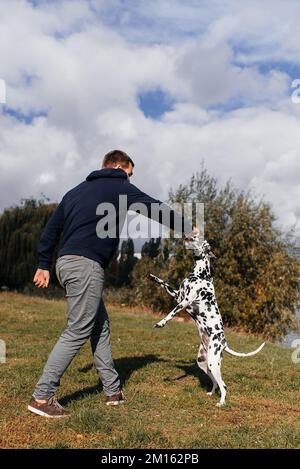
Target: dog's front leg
[[183, 304], [164, 285]]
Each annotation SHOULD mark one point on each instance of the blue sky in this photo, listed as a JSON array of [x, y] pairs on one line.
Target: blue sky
[[154, 103], [27, 118]]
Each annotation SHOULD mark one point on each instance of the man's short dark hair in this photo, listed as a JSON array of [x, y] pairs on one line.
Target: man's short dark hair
[[115, 157]]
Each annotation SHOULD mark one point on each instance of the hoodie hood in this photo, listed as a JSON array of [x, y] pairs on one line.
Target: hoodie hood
[[107, 173]]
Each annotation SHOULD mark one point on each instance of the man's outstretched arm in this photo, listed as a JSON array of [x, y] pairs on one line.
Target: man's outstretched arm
[[165, 215], [48, 241]]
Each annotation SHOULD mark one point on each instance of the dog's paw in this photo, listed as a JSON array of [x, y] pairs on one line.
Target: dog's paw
[[209, 393], [160, 324], [153, 277], [220, 404]]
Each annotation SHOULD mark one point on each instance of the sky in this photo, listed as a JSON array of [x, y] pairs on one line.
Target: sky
[[172, 83]]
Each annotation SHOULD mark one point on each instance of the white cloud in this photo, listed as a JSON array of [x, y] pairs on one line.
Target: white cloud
[[85, 63], [211, 78], [2, 91], [34, 159], [45, 178]]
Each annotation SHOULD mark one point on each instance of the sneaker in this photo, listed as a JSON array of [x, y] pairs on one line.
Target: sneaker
[[51, 408], [116, 399]]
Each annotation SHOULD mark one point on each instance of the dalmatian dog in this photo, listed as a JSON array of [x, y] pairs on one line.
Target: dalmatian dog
[[196, 294]]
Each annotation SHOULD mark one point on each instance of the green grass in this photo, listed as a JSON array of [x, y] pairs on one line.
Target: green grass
[[262, 408]]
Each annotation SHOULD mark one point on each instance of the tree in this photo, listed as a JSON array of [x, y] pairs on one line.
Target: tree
[[255, 276], [151, 248], [126, 263], [112, 272], [20, 230]]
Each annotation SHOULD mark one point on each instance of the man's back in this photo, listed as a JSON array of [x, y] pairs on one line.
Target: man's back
[[77, 216], [80, 215]]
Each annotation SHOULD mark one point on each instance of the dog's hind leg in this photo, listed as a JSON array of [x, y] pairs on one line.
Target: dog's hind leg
[[165, 285], [210, 393], [214, 367], [202, 352], [202, 360]]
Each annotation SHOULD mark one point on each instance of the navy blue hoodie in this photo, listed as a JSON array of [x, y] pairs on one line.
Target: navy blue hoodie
[[76, 218]]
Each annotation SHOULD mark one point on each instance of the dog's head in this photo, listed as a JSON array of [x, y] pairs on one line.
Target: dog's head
[[200, 248]]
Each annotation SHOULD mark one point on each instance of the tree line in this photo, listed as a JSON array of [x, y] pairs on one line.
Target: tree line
[[255, 275]]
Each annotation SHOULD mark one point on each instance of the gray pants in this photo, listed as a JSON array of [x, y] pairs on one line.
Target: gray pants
[[83, 281]]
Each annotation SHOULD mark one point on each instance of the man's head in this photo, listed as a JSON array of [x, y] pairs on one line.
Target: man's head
[[118, 159]]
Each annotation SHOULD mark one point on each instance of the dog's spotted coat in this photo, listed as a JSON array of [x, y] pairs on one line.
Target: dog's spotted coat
[[196, 295]]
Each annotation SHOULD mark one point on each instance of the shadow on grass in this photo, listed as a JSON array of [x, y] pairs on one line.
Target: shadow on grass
[[125, 367], [193, 370]]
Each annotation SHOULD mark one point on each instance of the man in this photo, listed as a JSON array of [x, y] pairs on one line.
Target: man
[[82, 257]]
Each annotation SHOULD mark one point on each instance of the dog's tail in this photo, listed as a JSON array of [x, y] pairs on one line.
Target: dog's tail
[[238, 354]]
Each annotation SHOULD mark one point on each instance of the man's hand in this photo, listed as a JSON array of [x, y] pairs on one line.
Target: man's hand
[[194, 234], [41, 278]]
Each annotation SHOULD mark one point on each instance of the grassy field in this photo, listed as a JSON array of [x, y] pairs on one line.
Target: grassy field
[[262, 410]]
